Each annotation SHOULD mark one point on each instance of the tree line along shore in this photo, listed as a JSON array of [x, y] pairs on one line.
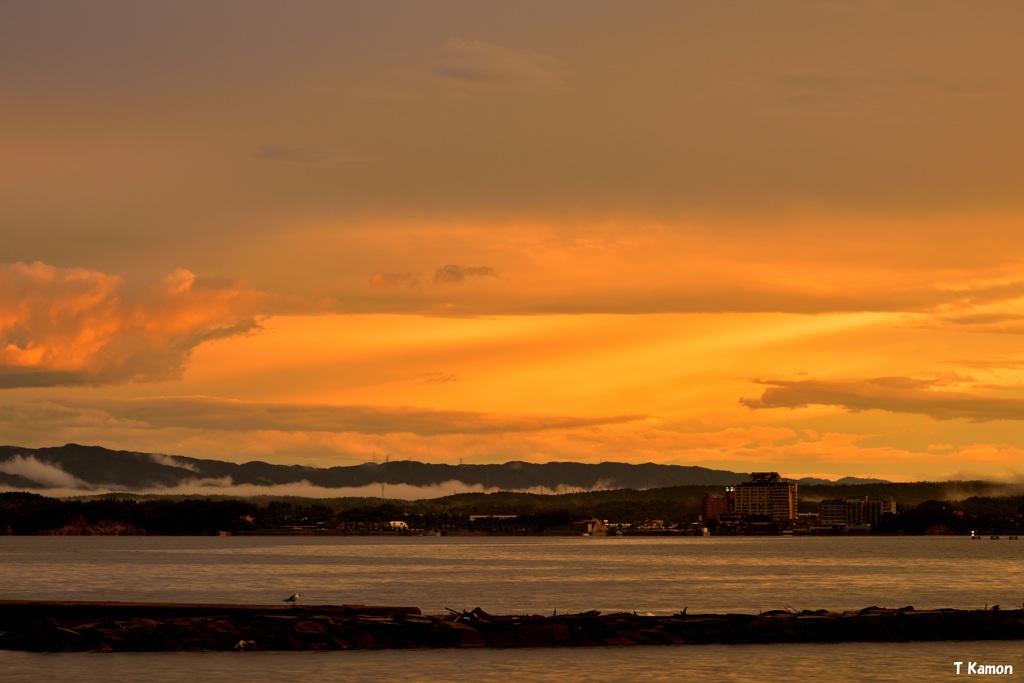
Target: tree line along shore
[[925, 507]]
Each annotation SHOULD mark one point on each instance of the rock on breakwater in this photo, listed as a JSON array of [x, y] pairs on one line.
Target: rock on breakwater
[[146, 627]]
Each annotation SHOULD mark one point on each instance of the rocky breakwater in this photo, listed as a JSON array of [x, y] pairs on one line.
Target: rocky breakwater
[[133, 627]]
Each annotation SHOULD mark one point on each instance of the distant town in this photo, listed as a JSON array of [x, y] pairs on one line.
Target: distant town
[[765, 504], [768, 504]]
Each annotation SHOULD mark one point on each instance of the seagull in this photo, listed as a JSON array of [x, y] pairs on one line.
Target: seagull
[[293, 598]]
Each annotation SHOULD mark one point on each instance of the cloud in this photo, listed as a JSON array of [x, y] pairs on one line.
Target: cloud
[[986, 319], [230, 415], [74, 326], [455, 274], [446, 275], [646, 267], [47, 475], [439, 378], [891, 394], [1000, 323], [171, 461], [389, 280], [476, 64], [859, 452]]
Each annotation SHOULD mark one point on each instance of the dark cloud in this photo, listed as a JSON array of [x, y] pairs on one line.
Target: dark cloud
[[19, 378], [440, 378], [445, 275], [891, 394], [479, 64], [452, 274], [985, 318], [221, 414], [1001, 323]]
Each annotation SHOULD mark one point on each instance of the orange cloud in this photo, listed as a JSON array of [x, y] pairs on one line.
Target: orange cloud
[[387, 280], [74, 326], [892, 394], [804, 264]]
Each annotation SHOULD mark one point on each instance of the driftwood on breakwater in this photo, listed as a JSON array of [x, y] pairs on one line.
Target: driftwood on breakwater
[[146, 627]]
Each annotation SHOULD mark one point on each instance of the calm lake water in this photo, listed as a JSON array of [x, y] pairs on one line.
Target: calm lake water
[[530, 575]]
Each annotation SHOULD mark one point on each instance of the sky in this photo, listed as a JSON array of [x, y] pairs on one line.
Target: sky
[[744, 235]]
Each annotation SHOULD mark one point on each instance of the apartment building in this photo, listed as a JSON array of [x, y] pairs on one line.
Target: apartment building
[[849, 512], [766, 494]]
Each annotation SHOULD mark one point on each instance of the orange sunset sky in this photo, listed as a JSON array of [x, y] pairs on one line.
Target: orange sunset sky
[[748, 235]]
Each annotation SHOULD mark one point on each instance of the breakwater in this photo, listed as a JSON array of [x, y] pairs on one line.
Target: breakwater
[[148, 627]]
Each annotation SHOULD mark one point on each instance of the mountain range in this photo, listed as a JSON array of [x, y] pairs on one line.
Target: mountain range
[[86, 468]]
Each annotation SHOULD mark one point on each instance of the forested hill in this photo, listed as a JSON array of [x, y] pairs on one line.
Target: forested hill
[[91, 467]]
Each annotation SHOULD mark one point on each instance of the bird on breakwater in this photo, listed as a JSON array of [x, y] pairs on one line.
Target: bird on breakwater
[[293, 598]]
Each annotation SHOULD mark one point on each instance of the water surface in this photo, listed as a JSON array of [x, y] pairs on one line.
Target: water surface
[[534, 575]]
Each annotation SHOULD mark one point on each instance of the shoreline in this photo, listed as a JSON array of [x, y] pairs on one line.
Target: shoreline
[[70, 626]]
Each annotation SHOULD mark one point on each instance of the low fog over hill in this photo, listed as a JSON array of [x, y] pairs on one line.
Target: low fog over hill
[[88, 469]]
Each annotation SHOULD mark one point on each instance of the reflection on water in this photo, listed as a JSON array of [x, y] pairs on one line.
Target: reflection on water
[[739, 663], [524, 575], [517, 575]]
